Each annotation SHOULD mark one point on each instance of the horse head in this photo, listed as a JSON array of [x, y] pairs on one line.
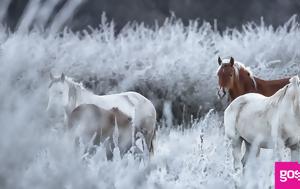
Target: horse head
[[234, 76], [226, 72], [58, 95]]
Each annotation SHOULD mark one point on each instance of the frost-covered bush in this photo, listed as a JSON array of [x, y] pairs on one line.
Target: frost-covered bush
[[173, 65], [173, 62]]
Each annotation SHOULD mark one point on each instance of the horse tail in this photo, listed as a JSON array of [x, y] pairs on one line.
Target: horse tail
[[230, 120]]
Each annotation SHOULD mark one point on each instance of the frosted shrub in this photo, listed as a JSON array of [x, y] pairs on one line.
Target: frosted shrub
[[172, 63]]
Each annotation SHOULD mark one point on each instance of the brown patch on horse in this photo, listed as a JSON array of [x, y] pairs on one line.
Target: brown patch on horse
[[123, 120], [94, 119], [83, 110]]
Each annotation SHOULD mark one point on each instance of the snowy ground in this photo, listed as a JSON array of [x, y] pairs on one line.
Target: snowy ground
[[172, 64]]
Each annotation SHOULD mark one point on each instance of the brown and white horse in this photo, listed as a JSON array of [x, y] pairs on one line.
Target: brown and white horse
[[65, 95], [238, 80]]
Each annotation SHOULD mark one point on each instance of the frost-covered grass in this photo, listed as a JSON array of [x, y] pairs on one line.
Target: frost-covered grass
[[199, 157], [171, 63]]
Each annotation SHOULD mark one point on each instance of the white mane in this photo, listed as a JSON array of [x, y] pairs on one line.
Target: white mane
[[71, 82], [237, 67], [75, 90], [278, 96]]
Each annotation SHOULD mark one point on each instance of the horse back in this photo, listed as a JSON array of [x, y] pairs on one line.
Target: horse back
[[270, 87]]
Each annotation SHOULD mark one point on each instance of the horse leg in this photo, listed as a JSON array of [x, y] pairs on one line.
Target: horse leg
[[236, 145], [147, 128], [257, 152], [247, 152], [277, 133], [109, 146], [277, 152], [295, 153]]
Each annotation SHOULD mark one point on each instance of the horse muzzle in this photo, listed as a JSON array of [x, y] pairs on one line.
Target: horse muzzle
[[221, 89], [54, 112]]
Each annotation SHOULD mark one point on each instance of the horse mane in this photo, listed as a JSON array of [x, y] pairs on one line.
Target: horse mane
[[75, 88], [276, 98], [75, 84], [280, 94], [240, 66]]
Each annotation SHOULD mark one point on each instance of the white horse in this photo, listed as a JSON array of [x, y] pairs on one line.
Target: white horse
[[269, 122], [66, 95]]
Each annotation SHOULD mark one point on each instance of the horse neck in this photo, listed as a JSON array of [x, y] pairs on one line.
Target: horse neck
[[81, 96], [74, 95], [242, 84]]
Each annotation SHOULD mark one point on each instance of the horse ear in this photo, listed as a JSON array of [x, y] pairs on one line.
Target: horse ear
[[231, 61], [62, 77], [219, 61]]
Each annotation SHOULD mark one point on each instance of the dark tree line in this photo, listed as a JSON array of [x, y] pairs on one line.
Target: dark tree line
[[229, 13]]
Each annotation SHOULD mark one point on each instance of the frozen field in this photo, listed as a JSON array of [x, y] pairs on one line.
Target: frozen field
[[172, 65]]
